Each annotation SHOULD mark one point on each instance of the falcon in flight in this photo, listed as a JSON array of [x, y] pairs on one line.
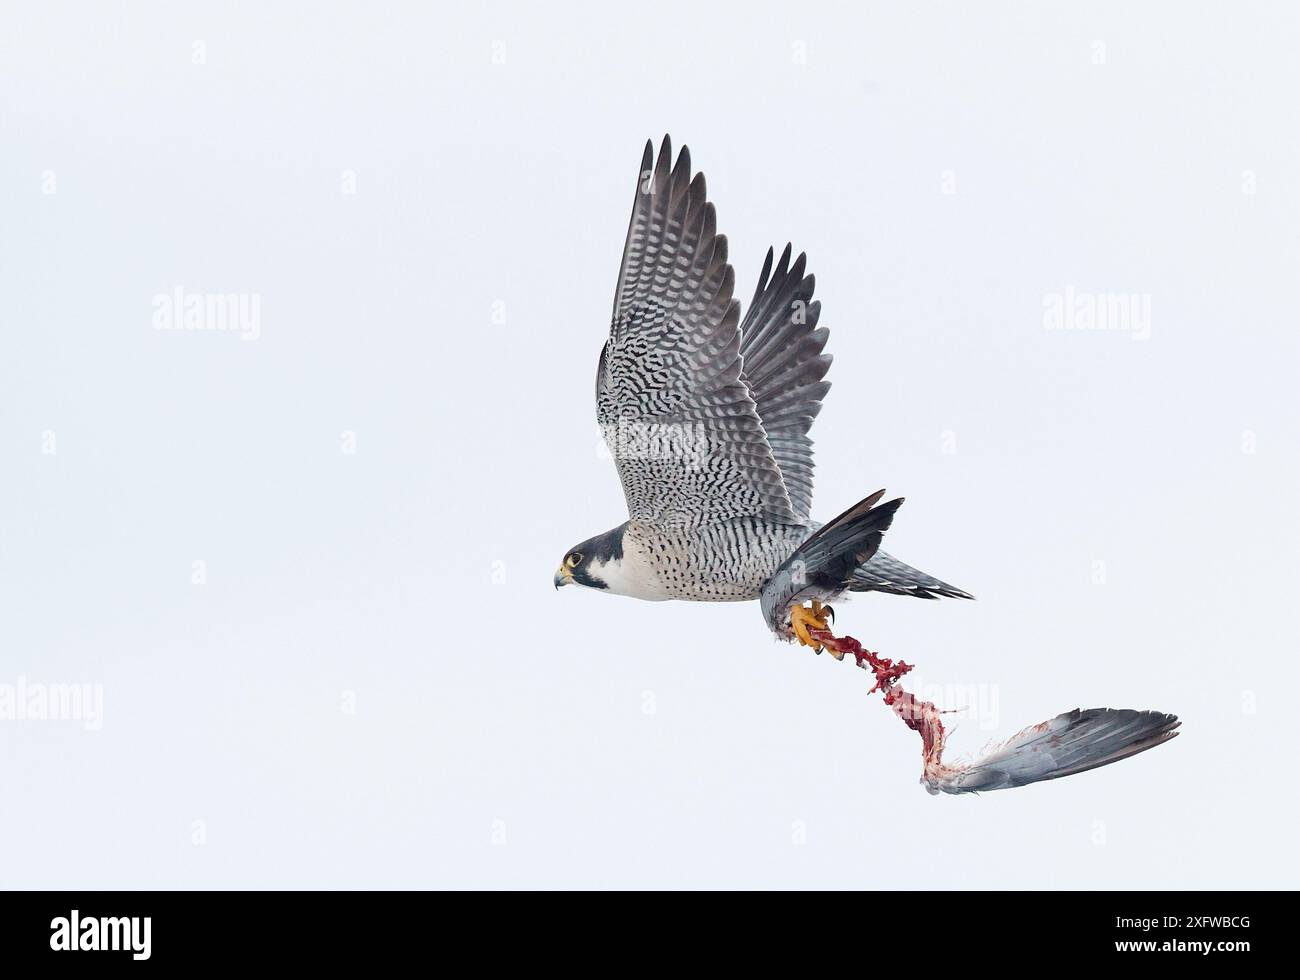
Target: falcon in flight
[[707, 418]]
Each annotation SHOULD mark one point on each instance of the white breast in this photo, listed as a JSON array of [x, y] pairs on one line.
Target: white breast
[[632, 575]]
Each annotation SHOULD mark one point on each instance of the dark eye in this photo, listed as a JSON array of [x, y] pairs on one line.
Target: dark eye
[[574, 559]]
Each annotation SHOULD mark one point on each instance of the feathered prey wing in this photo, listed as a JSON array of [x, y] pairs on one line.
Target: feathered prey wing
[[1073, 742]]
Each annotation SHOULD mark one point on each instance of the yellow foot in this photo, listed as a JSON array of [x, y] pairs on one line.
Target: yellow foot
[[805, 618]]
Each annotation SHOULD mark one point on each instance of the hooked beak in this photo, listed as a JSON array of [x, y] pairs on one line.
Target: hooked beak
[[563, 577]]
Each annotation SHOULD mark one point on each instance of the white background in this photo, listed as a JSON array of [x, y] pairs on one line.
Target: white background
[[508, 735]]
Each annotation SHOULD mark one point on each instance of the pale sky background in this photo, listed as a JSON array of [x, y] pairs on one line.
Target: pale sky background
[[377, 686]]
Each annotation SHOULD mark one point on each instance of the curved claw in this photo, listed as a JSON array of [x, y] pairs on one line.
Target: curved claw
[[805, 619]]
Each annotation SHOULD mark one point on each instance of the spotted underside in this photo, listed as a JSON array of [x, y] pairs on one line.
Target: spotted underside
[[727, 561]]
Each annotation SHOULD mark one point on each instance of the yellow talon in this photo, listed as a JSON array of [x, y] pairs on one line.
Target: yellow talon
[[804, 618]]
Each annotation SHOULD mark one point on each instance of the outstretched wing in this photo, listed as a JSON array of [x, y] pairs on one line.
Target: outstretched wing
[[784, 367], [671, 401], [1076, 741]]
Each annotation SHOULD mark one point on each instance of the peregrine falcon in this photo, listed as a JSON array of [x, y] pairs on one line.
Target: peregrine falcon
[[707, 417]]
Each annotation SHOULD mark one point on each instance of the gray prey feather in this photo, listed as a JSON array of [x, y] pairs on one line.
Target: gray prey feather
[[1073, 742]]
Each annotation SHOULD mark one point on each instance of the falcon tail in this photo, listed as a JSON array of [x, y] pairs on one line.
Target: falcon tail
[[885, 573], [824, 566]]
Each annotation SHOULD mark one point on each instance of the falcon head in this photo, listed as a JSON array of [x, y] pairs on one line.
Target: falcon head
[[595, 563]]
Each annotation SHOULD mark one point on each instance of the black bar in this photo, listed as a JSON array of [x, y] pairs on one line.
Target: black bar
[[542, 930]]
